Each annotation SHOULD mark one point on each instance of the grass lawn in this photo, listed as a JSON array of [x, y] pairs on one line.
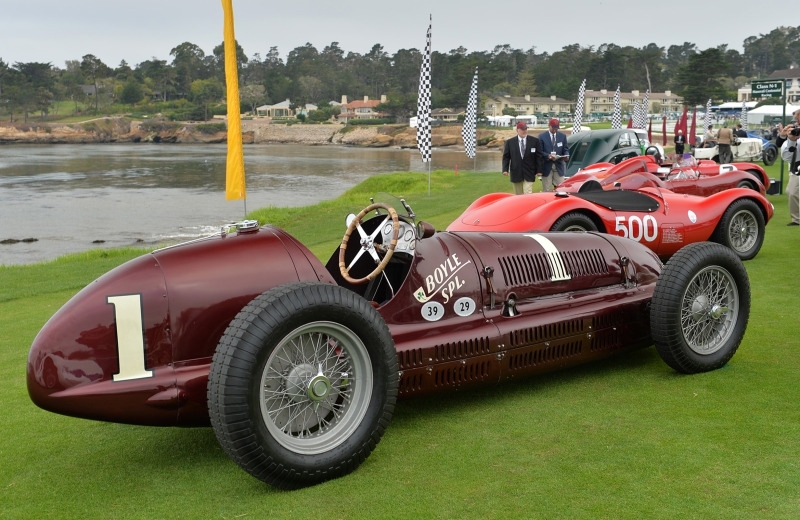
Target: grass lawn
[[624, 438]]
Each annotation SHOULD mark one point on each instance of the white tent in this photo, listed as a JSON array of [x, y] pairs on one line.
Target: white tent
[[763, 114]]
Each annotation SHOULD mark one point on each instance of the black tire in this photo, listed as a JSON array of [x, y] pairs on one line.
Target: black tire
[[769, 155], [741, 228], [303, 384], [700, 308], [750, 185], [574, 222]]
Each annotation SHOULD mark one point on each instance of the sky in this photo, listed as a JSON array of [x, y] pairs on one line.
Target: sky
[[135, 31]]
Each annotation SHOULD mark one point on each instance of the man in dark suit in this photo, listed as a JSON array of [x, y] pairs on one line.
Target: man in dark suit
[[522, 160], [680, 143], [555, 153]]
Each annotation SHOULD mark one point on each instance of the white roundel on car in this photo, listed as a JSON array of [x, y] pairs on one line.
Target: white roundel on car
[[692, 217], [433, 311], [464, 306]]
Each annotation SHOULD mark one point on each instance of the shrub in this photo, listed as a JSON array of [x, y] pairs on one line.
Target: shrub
[[211, 128]]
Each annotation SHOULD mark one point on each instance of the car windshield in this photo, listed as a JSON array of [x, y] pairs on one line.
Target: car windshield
[[684, 168]]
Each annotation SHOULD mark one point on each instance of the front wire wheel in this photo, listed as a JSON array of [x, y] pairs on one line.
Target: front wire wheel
[[303, 384], [315, 387], [708, 310], [700, 308]]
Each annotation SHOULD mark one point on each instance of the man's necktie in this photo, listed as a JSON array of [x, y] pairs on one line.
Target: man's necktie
[[522, 147]]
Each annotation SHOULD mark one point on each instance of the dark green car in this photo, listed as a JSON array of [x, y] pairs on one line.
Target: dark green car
[[594, 146]]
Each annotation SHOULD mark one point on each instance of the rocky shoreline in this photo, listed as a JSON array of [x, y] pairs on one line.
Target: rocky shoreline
[[254, 131]]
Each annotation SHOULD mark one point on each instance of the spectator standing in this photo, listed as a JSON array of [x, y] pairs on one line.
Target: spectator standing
[[724, 142], [710, 136], [522, 160], [740, 132], [787, 142], [680, 143], [555, 154]]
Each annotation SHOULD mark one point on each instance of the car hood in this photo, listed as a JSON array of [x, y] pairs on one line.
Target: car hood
[[501, 208]]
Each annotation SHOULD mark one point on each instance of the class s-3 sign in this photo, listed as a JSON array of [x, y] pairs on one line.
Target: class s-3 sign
[[762, 89]]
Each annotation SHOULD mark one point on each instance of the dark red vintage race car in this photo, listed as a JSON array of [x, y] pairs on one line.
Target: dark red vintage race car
[[701, 178], [298, 364], [662, 220]]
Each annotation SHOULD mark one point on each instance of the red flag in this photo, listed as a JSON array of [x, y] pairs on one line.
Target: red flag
[[681, 124], [664, 131], [694, 127], [650, 130], [630, 122]]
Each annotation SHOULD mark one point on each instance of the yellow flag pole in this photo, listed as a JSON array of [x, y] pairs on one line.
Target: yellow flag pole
[[234, 172]]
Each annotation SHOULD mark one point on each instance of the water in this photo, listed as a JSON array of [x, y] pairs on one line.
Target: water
[[72, 198]]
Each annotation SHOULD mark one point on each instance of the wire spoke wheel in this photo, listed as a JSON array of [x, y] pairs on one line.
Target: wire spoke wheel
[[700, 308], [303, 384], [315, 387], [710, 306], [743, 231]]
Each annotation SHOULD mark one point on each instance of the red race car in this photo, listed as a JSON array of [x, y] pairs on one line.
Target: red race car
[[662, 220], [297, 365], [701, 178]]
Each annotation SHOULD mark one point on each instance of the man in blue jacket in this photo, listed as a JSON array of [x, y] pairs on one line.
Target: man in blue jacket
[[555, 153]]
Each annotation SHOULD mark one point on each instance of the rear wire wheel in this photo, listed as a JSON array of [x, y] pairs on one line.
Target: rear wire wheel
[[741, 228]]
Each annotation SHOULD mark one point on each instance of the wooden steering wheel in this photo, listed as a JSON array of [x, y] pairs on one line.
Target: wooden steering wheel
[[368, 243]]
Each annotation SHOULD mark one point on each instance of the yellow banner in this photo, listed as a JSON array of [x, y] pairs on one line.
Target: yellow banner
[[234, 172]]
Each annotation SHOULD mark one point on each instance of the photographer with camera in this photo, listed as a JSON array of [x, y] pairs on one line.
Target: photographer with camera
[[787, 142]]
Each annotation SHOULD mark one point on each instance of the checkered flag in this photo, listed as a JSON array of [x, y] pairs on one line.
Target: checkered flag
[[743, 117], [616, 117], [424, 102], [636, 116], [707, 118], [470, 119], [645, 108], [576, 126]]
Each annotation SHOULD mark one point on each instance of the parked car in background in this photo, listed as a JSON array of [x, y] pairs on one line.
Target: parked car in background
[[612, 146], [701, 178], [749, 149], [660, 219], [770, 151]]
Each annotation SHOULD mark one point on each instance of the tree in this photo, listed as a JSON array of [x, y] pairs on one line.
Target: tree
[[71, 81], [219, 60], [701, 77], [4, 71], [310, 88], [526, 84], [189, 65], [204, 92], [323, 113], [161, 76], [32, 77], [44, 99], [399, 106], [94, 69], [131, 92], [252, 96], [509, 111]]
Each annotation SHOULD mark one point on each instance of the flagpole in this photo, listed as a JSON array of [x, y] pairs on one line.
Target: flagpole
[[234, 172]]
